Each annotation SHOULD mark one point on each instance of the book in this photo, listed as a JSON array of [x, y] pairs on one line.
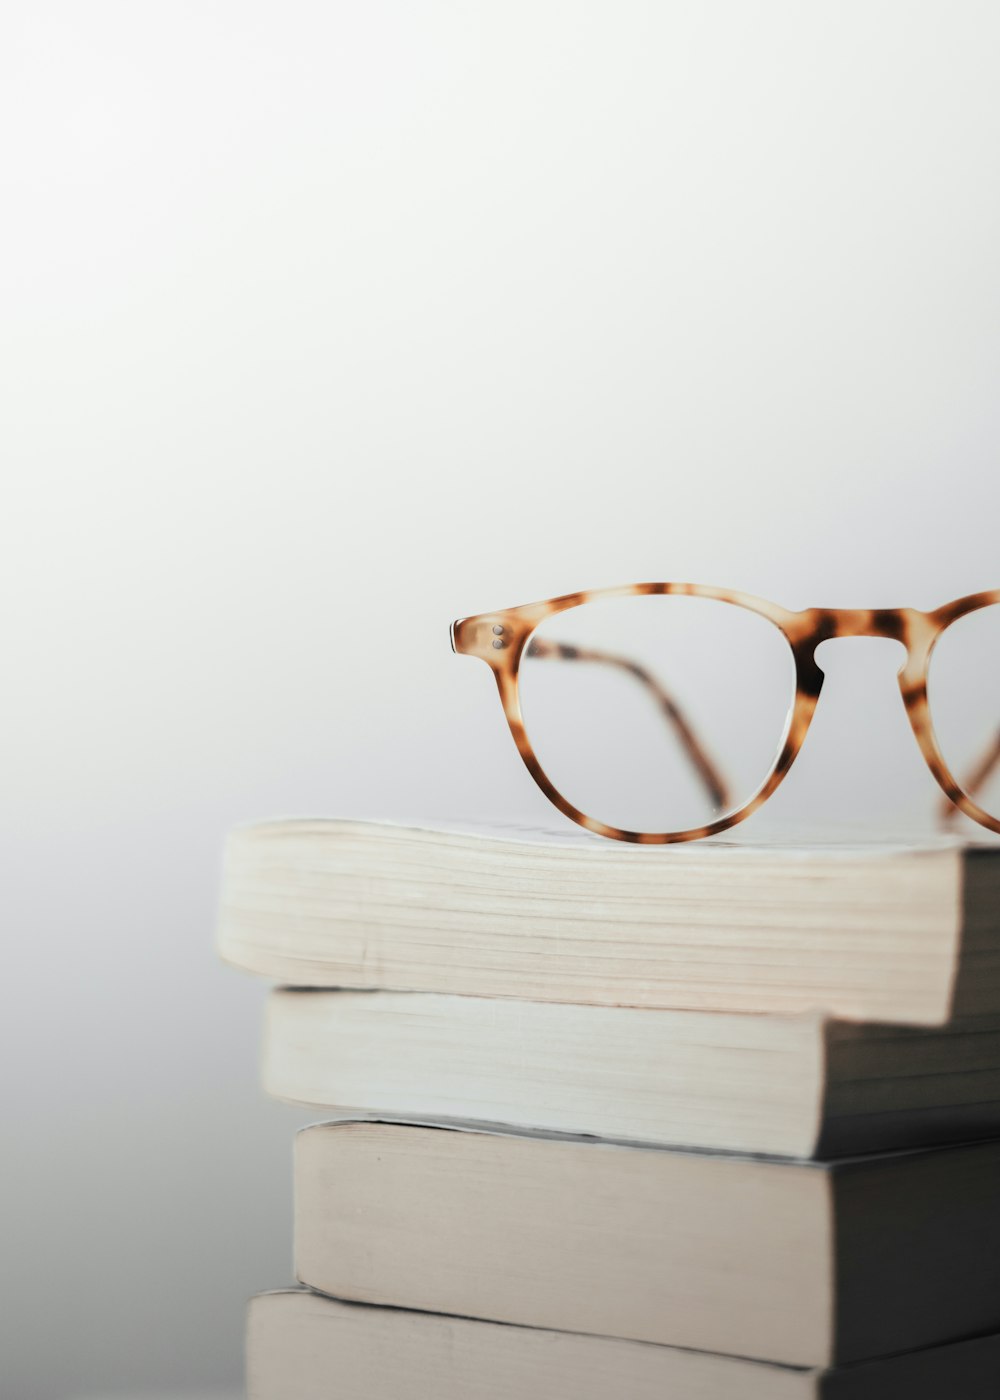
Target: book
[[303, 1347], [879, 933], [799, 1263], [796, 1086]]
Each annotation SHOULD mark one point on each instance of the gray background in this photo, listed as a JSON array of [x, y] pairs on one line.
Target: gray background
[[325, 323]]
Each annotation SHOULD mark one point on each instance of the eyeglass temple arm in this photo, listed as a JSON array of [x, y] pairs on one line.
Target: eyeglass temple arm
[[709, 774], [988, 760]]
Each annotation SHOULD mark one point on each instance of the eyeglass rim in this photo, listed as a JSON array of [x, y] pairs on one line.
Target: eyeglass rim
[[499, 638]]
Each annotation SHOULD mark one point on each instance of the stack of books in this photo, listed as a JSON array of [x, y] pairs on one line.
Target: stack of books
[[719, 1122]]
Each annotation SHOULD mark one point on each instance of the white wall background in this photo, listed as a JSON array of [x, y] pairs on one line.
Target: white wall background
[[323, 323]]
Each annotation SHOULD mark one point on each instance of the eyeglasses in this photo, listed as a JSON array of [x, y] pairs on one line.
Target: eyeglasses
[[662, 712]]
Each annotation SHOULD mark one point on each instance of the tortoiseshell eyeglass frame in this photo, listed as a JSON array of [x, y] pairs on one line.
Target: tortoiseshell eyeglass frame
[[500, 639]]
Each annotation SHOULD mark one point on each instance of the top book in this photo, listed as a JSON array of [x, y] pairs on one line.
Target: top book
[[895, 933]]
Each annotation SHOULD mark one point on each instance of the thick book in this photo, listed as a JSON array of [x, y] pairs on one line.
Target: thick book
[[302, 1347], [879, 933], [799, 1263], [795, 1086]]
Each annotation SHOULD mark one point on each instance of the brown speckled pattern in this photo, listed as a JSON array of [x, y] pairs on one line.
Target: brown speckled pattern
[[918, 631]]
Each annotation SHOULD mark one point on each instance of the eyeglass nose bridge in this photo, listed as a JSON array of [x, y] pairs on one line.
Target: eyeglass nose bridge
[[898, 624], [914, 630]]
